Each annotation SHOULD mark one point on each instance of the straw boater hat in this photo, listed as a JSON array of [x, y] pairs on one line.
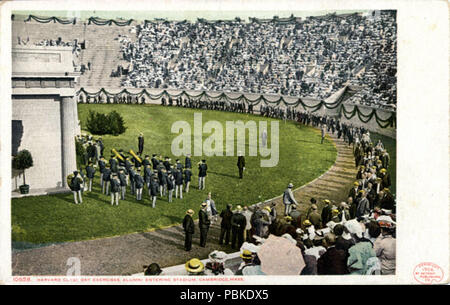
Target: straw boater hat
[[290, 185], [190, 212], [326, 201], [246, 254], [238, 208], [307, 223], [204, 204], [268, 208], [356, 183], [194, 265]]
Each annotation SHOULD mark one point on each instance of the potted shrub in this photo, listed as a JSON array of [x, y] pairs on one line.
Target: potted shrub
[[23, 161]]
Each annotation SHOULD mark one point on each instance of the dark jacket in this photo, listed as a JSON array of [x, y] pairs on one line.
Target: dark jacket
[[123, 179], [332, 262], [154, 187], [187, 162], [76, 183], [326, 214], [187, 175], [101, 165], [188, 224], [155, 163], [241, 162], [170, 183], [202, 168], [147, 174], [238, 221], [115, 185], [107, 174], [226, 218], [113, 163], [139, 181], [203, 221], [178, 175], [90, 171]]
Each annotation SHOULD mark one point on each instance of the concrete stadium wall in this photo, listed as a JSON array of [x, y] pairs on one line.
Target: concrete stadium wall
[[371, 125], [41, 121]]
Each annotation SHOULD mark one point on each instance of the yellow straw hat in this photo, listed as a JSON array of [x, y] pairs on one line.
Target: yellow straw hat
[[194, 265]]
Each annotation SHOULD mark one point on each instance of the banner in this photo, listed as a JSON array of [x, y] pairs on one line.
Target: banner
[[129, 97]]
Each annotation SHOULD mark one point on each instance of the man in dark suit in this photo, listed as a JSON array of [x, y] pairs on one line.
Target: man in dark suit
[[225, 226], [140, 143], [90, 172], [202, 172], [154, 162], [189, 228], [187, 161], [187, 178], [326, 212], [203, 223], [241, 165], [238, 223], [113, 163]]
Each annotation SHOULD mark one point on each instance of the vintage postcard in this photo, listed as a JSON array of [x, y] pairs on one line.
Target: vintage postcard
[[224, 142]]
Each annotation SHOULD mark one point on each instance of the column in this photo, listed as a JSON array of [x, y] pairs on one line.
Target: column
[[68, 126]]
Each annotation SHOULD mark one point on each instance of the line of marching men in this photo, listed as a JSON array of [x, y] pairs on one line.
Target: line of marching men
[[158, 175]]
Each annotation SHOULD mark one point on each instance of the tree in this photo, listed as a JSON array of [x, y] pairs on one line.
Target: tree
[[23, 161], [100, 123], [116, 123]]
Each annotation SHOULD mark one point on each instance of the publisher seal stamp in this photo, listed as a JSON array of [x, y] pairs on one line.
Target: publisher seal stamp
[[428, 273]]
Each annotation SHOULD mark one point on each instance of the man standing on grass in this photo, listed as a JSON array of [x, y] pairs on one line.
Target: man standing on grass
[[123, 183], [101, 166], [187, 178], [106, 179], [76, 185], [115, 188], [140, 144], [202, 172], [139, 184], [90, 172], [203, 223], [178, 175], [170, 184], [241, 164], [154, 189]]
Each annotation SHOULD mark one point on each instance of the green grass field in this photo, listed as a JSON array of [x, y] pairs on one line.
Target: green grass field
[[54, 218]]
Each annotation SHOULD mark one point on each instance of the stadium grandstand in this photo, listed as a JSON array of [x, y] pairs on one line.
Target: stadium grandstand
[[309, 57]]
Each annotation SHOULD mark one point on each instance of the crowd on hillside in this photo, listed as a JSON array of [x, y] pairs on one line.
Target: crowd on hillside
[[311, 57]]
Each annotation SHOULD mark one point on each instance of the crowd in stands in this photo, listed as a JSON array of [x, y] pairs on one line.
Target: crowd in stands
[[311, 57]]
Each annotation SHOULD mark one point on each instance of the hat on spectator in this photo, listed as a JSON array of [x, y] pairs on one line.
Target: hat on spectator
[[194, 265], [246, 254], [290, 185], [385, 221]]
